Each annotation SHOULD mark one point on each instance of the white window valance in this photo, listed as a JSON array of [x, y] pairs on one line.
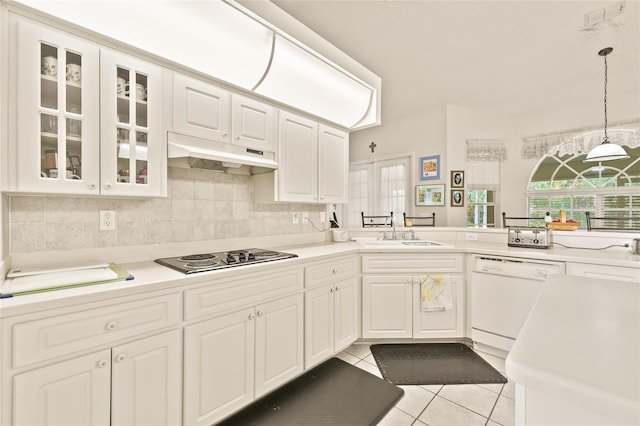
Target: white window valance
[[581, 141], [486, 150]]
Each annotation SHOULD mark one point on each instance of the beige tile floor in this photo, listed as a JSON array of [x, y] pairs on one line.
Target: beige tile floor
[[437, 405]]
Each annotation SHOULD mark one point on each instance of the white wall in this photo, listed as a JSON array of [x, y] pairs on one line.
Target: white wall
[[444, 130], [438, 131], [423, 133], [464, 124]]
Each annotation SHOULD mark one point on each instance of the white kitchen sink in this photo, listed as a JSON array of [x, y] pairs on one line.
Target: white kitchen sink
[[400, 244]]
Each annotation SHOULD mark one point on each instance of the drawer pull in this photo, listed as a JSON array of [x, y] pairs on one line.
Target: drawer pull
[[121, 357], [112, 325], [102, 363]]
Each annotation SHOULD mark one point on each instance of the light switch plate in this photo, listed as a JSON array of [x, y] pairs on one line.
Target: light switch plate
[[296, 218]]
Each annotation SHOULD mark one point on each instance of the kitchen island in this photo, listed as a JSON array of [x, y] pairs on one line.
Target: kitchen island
[[577, 359]]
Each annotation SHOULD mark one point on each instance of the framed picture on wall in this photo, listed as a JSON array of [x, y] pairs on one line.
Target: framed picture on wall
[[457, 178], [457, 198], [430, 195], [430, 167]]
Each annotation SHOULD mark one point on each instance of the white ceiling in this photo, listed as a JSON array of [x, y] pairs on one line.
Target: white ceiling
[[506, 56]]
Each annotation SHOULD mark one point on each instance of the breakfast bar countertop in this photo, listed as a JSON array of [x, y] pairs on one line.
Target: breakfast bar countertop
[[581, 344]]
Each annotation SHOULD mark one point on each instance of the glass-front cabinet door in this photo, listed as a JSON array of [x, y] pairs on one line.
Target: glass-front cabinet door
[[131, 148], [58, 112]]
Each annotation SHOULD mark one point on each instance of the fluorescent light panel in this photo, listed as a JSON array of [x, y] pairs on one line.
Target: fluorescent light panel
[[207, 36], [304, 81]]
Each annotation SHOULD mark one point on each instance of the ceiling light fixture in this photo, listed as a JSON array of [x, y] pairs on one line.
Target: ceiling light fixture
[[606, 151]]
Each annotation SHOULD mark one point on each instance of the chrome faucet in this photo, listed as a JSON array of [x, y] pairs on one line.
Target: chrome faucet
[[393, 224]]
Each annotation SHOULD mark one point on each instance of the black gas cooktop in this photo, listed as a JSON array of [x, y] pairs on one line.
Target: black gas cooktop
[[203, 262]]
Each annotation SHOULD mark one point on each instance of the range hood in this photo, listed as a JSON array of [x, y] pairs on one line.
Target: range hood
[[229, 155]]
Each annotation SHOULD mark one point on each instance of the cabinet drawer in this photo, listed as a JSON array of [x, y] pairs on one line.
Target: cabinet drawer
[[416, 262], [53, 336], [616, 273], [329, 272], [249, 290]]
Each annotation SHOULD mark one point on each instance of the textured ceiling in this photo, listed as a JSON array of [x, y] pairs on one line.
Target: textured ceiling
[[506, 56]]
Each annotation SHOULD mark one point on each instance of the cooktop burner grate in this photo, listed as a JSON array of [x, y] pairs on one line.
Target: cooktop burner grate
[[197, 257], [203, 262]]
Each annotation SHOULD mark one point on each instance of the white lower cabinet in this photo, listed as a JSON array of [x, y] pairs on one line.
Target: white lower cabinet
[[331, 322], [134, 384], [392, 304], [233, 359], [387, 308]]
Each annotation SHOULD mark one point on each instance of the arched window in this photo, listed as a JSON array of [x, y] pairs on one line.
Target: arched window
[[608, 189]]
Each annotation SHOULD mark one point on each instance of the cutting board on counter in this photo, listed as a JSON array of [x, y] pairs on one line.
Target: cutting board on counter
[[33, 281]]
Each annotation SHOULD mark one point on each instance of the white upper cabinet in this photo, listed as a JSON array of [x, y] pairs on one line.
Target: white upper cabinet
[[88, 119], [252, 123], [57, 146], [200, 109], [298, 154], [209, 112], [132, 145], [333, 165], [314, 164]]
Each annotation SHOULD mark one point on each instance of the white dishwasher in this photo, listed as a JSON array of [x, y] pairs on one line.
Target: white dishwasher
[[503, 291]]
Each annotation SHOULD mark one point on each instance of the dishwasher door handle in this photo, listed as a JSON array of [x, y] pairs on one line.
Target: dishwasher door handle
[[542, 273]]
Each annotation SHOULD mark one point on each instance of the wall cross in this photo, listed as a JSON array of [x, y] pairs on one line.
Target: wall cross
[[373, 146]]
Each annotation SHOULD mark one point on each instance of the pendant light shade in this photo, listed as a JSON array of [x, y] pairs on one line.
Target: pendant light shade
[[606, 151]]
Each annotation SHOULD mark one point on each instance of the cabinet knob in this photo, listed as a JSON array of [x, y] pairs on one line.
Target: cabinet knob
[[237, 138], [260, 313], [332, 290], [224, 135], [102, 363], [252, 316], [93, 185], [337, 288], [112, 325], [121, 357], [108, 186], [335, 271]]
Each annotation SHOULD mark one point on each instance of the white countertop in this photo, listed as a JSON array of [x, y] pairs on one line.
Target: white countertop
[[581, 343], [150, 276]]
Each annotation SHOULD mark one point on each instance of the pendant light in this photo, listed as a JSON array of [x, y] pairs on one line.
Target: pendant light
[[606, 151]]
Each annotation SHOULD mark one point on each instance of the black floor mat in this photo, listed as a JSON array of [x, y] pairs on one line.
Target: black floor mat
[[333, 393], [433, 364]]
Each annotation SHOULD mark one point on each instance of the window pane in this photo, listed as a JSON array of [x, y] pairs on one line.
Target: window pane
[[392, 196], [578, 181]]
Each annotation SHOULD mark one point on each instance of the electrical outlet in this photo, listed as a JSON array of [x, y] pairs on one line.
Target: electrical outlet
[[296, 218], [107, 220], [323, 217], [305, 218], [472, 237]]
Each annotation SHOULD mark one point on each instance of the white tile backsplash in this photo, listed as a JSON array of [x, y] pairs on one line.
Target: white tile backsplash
[[202, 205]]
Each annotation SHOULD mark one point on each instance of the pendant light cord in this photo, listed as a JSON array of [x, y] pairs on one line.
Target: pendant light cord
[[606, 138]]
